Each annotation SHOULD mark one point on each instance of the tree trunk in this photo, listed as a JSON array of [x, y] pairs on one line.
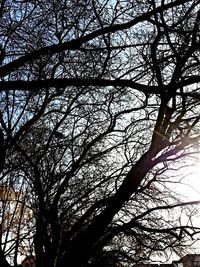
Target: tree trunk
[[79, 250], [3, 261]]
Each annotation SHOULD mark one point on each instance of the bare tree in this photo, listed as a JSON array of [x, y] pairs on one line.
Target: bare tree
[[99, 110]]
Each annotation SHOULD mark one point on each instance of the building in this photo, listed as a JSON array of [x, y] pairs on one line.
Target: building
[[189, 260]]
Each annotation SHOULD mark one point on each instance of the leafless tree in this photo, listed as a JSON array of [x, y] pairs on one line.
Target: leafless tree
[[99, 111]]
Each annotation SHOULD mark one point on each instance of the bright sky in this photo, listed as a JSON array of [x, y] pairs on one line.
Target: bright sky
[[191, 183], [191, 190]]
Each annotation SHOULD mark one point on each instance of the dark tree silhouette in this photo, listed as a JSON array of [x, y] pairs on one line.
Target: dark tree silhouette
[[99, 112]]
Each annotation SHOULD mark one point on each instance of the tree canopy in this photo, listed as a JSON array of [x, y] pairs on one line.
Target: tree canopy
[[99, 111]]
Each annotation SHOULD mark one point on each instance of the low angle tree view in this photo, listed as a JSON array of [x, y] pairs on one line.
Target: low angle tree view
[[99, 117]]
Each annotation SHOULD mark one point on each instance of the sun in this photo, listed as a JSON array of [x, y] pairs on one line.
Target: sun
[[190, 184]]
